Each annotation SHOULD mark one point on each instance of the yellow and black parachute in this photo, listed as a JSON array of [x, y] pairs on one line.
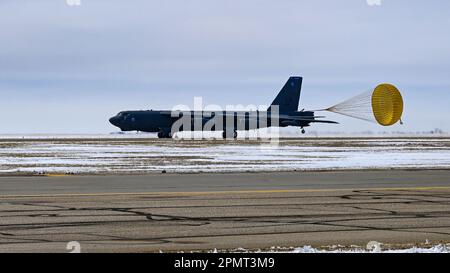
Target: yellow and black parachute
[[383, 104]]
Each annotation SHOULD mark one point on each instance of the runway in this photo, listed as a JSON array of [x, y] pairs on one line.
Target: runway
[[173, 212]]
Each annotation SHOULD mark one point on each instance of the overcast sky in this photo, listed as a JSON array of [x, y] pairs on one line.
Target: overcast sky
[[67, 69]]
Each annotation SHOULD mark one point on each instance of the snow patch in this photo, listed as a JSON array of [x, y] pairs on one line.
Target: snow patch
[[137, 156]]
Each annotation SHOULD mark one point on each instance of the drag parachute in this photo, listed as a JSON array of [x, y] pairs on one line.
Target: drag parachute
[[383, 105]]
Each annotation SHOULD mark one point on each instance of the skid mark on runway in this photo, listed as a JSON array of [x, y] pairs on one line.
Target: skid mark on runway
[[193, 220]]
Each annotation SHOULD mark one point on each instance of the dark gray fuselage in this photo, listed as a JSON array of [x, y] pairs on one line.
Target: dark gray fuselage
[[156, 120]]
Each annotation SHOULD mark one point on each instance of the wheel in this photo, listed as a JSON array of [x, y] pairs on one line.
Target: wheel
[[303, 131], [235, 134]]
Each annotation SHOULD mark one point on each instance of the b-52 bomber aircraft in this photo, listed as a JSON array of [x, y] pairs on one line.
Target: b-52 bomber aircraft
[[282, 112]]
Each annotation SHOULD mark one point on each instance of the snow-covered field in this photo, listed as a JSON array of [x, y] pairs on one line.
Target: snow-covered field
[[79, 154]]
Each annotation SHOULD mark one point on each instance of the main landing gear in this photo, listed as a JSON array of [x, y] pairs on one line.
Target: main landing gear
[[303, 131], [226, 134]]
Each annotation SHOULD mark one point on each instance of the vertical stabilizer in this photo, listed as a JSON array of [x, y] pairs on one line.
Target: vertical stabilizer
[[289, 96]]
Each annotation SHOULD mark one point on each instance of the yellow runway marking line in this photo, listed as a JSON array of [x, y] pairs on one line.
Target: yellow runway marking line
[[225, 192], [55, 175]]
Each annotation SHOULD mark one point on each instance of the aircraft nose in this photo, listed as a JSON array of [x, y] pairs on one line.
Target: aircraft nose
[[114, 121]]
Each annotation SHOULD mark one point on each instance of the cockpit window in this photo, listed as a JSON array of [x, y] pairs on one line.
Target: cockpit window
[[123, 115]]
